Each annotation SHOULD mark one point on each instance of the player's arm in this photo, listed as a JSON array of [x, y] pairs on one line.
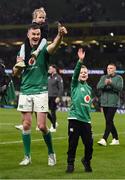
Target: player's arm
[[57, 41]]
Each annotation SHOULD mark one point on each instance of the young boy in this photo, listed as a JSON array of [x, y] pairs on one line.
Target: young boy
[[38, 17], [79, 121]]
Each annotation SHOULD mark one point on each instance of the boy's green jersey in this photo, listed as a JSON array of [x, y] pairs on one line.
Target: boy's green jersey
[[35, 75], [80, 98]]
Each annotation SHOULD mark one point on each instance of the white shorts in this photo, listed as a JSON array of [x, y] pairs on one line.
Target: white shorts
[[33, 103]]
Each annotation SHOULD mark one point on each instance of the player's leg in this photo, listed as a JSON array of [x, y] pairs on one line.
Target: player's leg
[[41, 107], [24, 106]]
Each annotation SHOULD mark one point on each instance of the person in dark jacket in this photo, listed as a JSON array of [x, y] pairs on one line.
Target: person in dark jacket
[[55, 92], [2, 78], [110, 86], [7, 90], [79, 120]]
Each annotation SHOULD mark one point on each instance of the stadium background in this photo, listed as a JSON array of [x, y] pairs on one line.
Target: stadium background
[[99, 27], [95, 25]]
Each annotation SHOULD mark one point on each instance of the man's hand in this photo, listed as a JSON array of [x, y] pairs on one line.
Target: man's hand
[[108, 81], [57, 100], [61, 30]]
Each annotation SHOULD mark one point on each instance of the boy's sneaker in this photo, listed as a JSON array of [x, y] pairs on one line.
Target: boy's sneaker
[[51, 159], [115, 142], [25, 161], [86, 165], [102, 142], [70, 168], [19, 127]]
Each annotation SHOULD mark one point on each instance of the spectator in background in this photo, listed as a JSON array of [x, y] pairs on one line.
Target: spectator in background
[[2, 78], [110, 86], [7, 90], [79, 120], [55, 92]]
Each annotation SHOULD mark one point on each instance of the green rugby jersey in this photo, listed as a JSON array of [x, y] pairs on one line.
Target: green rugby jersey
[[35, 75], [80, 98]]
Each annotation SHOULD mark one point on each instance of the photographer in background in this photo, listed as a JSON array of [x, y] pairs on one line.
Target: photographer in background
[[2, 78], [7, 91]]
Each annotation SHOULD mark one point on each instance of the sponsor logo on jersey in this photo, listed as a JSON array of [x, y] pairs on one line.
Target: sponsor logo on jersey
[[87, 98]]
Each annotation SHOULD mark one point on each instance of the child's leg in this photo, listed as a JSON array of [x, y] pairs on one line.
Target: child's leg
[[73, 133], [22, 51], [42, 44], [86, 135]]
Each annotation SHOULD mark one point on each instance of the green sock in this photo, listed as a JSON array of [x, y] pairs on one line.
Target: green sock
[[26, 141], [48, 140]]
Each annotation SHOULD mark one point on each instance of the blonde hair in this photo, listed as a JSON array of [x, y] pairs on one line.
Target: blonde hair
[[37, 11]]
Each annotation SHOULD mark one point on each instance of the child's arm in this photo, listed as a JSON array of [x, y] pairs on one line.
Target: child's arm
[[22, 51], [81, 56]]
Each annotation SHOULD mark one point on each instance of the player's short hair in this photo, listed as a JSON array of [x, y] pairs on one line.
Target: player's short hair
[[112, 64], [54, 66], [37, 11], [33, 26]]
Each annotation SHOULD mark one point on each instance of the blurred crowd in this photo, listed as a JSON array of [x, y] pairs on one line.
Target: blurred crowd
[[19, 12]]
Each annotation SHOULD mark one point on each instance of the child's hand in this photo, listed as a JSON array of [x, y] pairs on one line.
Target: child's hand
[[81, 54]]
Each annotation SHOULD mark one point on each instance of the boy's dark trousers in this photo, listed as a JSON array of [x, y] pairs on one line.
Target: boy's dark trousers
[[75, 130]]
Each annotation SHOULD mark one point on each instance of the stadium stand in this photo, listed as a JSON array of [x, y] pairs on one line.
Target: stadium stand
[[93, 25]]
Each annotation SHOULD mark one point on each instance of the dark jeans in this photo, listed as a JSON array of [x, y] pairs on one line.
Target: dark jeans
[[75, 130], [52, 114], [109, 113]]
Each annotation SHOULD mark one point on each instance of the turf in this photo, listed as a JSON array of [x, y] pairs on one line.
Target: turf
[[107, 163]]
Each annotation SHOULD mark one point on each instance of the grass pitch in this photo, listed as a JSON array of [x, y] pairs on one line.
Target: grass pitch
[[107, 163]]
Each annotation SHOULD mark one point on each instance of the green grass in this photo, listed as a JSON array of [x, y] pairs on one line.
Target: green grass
[[107, 163]]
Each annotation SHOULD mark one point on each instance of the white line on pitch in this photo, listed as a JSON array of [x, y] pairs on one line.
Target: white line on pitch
[[4, 124], [34, 140], [56, 138]]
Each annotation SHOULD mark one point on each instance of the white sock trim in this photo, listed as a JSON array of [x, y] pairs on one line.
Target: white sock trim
[[26, 132]]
